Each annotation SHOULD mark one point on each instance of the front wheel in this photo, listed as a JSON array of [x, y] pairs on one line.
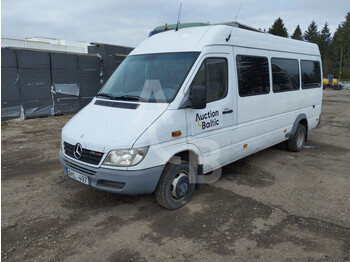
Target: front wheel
[[176, 185], [296, 144]]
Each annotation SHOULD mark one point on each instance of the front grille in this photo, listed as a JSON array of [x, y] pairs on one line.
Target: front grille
[[88, 156]]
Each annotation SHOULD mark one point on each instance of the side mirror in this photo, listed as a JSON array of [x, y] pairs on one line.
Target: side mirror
[[199, 97]]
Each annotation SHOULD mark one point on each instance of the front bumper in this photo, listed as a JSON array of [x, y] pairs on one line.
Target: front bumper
[[126, 182], [319, 120]]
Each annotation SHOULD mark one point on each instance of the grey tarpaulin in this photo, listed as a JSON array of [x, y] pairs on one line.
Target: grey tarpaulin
[[89, 75], [65, 98], [112, 56], [65, 83], [66, 89], [10, 94], [35, 82], [42, 83]]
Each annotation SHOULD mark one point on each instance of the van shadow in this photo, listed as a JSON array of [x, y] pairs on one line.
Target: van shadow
[[242, 173], [85, 197]]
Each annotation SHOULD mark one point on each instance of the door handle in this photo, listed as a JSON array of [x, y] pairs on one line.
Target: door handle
[[227, 111]]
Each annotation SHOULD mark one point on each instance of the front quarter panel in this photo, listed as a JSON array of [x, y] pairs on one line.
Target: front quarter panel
[[162, 144]]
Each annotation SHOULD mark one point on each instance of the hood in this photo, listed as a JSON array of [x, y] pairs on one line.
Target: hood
[[104, 125]]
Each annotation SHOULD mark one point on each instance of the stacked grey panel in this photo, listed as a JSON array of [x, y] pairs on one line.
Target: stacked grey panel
[[35, 83], [65, 83], [111, 55], [10, 93], [42, 83], [89, 75]]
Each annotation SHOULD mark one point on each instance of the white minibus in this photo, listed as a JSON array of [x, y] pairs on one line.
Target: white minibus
[[188, 101]]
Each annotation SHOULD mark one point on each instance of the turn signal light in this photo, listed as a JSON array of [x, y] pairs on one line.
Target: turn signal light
[[176, 133], [245, 146]]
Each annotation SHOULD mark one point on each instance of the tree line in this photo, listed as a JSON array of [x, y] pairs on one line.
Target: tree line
[[333, 49]]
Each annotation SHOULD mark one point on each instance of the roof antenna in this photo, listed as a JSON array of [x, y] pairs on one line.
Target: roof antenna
[[229, 36], [178, 19], [239, 9]]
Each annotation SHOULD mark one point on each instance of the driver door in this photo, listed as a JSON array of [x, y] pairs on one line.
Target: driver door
[[210, 129]]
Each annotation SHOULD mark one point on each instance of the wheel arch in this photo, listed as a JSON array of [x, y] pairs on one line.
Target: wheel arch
[[188, 155], [192, 155], [301, 119]]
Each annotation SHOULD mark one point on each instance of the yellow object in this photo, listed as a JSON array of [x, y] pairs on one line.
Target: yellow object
[[326, 81]]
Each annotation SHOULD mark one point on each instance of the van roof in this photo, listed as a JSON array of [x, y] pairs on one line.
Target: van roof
[[194, 39]]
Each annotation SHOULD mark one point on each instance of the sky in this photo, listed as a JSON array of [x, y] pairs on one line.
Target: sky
[[128, 23]]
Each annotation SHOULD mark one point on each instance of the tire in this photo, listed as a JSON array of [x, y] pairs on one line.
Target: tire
[[176, 185], [296, 143]]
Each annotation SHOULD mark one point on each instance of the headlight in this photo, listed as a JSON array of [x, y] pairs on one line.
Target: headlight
[[125, 157]]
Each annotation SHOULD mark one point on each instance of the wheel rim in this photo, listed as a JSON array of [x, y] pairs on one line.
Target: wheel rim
[[180, 185], [300, 138]]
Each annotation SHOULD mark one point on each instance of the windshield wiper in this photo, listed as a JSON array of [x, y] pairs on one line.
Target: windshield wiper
[[131, 98], [107, 95], [124, 97]]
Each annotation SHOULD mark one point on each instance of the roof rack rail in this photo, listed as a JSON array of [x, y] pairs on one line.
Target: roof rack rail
[[166, 27], [239, 25]]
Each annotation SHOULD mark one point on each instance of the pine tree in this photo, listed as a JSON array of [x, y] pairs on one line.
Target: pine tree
[[278, 28], [324, 45], [312, 34], [326, 34], [341, 44], [298, 35]]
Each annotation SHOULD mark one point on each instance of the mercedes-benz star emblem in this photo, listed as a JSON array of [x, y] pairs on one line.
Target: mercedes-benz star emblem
[[78, 151]]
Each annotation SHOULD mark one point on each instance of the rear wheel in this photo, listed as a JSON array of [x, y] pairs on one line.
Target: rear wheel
[[296, 144], [176, 185]]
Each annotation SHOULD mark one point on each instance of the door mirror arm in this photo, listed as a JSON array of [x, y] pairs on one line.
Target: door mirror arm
[[195, 97]]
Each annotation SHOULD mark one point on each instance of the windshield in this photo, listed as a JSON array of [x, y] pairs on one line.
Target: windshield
[[149, 78]]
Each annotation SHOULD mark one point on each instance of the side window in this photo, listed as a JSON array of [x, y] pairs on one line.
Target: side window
[[285, 74], [253, 75], [311, 74], [213, 75]]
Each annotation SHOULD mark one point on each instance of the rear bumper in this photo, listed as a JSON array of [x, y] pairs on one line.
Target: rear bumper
[[126, 182]]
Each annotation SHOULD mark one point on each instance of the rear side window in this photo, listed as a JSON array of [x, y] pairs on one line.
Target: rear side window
[[285, 74], [253, 75], [310, 73], [213, 75]]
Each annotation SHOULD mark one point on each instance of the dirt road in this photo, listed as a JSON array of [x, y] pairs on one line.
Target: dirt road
[[272, 206]]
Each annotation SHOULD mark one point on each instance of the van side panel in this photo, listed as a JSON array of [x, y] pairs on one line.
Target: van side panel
[[264, 120], [289, 105], [253, 125]]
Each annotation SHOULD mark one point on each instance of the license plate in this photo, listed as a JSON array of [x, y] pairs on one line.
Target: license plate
[[78, 177]]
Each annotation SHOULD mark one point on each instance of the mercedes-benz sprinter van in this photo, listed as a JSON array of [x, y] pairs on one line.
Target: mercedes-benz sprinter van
[[185, 103]]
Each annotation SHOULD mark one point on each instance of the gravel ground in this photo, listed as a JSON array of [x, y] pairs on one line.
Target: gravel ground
[[272, 206]]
